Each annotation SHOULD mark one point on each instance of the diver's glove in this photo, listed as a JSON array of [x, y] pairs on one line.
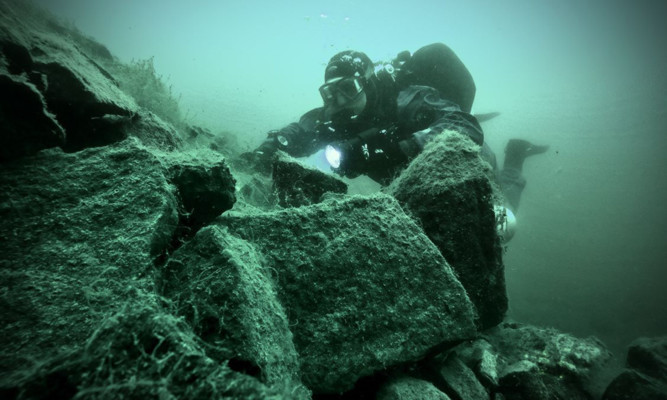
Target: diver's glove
[[371, 150], [261, 159]]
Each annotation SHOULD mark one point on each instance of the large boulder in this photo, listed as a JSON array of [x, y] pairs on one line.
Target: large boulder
[[140, 352], [362, 286], [55, 91], [525, 362], [220, 285], [447, 187], [81, 236], [646, 374], [206, 187], [78, 233]]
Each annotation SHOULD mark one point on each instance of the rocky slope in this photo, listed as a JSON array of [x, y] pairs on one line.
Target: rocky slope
[[139, 258]]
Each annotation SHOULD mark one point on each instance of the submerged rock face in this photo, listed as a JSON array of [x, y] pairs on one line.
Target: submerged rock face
[[206, 187], [300, 185], [53, 93], [459, 380], [227, 295], [77, 235], [649, 356], [646, 374], [409, 388], [527, 362], [362, 287], [448, 189], [76, 89]]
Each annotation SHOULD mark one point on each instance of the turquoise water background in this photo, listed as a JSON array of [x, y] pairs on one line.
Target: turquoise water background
[[587, 77]]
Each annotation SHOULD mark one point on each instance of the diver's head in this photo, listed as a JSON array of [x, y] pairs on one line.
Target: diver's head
[[347, 80]]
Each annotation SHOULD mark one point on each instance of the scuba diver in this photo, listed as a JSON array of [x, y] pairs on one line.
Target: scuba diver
[[378, 117]]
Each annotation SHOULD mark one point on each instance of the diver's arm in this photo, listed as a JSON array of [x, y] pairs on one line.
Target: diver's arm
[[421, 106], [458, 121], [296, 139]]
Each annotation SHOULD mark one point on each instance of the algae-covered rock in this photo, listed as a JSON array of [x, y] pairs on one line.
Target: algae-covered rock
[[56, 90], [141, 352], [297, 184], [448, 189], [206, 187], [482, 358], [543, 363], [362, 286], [220, 285], [78, 233], [458, 379], [409, 388], [524, 362], [77, 90]]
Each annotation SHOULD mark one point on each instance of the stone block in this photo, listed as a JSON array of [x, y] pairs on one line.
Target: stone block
[[362, 286], [447, 187]]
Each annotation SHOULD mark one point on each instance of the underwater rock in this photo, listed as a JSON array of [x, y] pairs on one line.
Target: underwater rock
[[632, 384], [206, 187], [362, 286], [299, 185], [83, 97], [256, 191], [649, 356], [646, 374], [458, 380], [482, 359], [150, 129], [78, 232], [543, 363], [221, 287], [448, 189], [408, 388], [141, 352]]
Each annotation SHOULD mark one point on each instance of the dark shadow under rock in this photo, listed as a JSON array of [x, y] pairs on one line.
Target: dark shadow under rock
[[363, 287], [633, 385], [27, 126], [448, 189]]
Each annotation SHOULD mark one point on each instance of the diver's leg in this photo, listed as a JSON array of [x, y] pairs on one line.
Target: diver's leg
[[511, 178], [512, 184]]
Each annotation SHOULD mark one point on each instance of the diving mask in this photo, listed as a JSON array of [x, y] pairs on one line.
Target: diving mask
[[349, 88]]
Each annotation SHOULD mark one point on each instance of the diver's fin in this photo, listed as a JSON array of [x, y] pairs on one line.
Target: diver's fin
[[486, 116], [517, 150]]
